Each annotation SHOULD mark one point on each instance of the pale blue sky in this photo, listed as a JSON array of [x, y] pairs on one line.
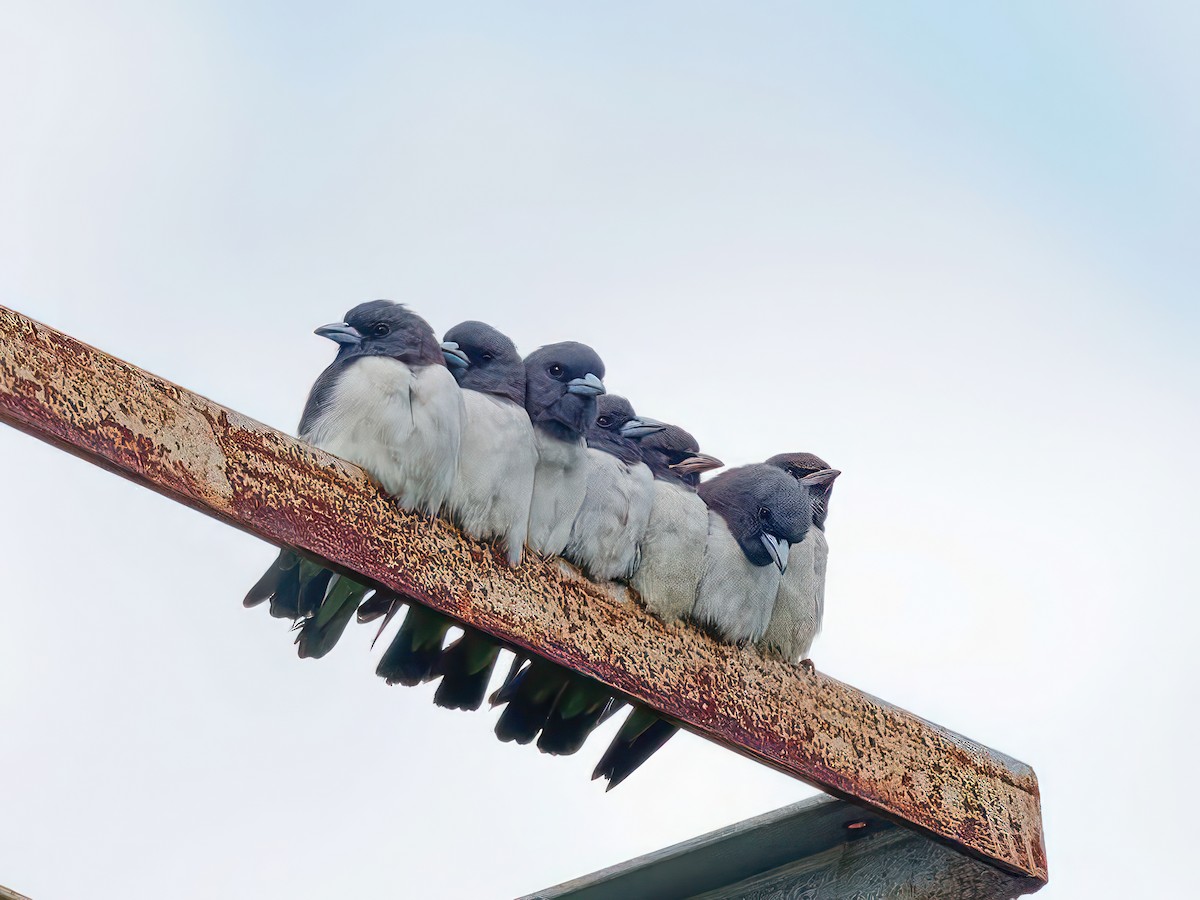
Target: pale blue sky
[[950, 248]]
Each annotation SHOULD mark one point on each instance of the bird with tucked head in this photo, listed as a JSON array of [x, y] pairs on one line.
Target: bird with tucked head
[[755, 514], [800, 603]]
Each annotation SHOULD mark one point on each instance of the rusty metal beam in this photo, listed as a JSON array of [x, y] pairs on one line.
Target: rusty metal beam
[[808, 725]]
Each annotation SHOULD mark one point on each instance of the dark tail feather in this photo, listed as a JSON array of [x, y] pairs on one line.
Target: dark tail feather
[[266, 586], [640, 737], [581, 706], [285, 602], [321, 632], [312, 592], [531, 697], [380, 604], [466, 668], [411, 656], [500, 695]]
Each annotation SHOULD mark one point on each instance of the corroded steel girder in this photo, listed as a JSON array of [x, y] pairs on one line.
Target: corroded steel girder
[[803, 723]]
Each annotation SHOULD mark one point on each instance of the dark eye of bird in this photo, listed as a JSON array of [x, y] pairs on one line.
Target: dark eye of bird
[[381, 329], [555, 371], [604, 421], [487, 357], [764, 513]]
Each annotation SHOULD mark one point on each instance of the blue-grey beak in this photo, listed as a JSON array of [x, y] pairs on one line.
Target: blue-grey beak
[[777, 549], [640, 426], [340, 333], [589, 386], [455, 358]]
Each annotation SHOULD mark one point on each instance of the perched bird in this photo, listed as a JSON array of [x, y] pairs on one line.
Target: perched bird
[[493, 489], [671, 553], [755, 513], [491, 495], [754, 517], [620, 491], [604, 543], [562, 382], [389, 404], [800, 603]]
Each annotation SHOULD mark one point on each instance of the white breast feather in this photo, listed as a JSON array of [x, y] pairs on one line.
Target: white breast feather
[[559, 486], [796, 618], [613, 517], [491, 494], [403, 426], [672, 551], [734, 596]]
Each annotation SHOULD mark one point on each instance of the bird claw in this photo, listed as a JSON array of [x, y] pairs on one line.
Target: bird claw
[[807, 666]]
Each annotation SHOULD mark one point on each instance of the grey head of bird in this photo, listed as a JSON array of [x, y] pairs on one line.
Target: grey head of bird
[[814, 472], [674, 455], [562, 382], [484, 360], [384, 328], [617, 429], [765, 509]]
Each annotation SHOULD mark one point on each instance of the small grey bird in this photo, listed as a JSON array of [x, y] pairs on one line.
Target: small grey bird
[[389, 404], [492, 492], [620, 491], [754, 518], [800, 603], [494, 488], [604, 543], [755, 513], [671, 553], [562, 382]]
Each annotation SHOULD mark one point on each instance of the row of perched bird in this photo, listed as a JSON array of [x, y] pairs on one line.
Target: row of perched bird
[[534, 453]]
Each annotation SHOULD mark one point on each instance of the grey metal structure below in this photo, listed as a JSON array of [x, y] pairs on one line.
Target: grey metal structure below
[[820, 848]]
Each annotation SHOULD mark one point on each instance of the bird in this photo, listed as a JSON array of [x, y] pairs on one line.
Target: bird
[[604, 543], [620, 491], [492, 492], [562, 384], [388, 404], [671, 552], [489, 498], [800, 603], [755, 513]]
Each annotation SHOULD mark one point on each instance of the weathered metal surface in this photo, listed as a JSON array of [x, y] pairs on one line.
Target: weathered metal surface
[[822, 847], [10, 894], [803, 723]]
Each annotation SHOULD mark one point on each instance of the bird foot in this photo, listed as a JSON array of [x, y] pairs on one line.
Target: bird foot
[[807, 666]]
